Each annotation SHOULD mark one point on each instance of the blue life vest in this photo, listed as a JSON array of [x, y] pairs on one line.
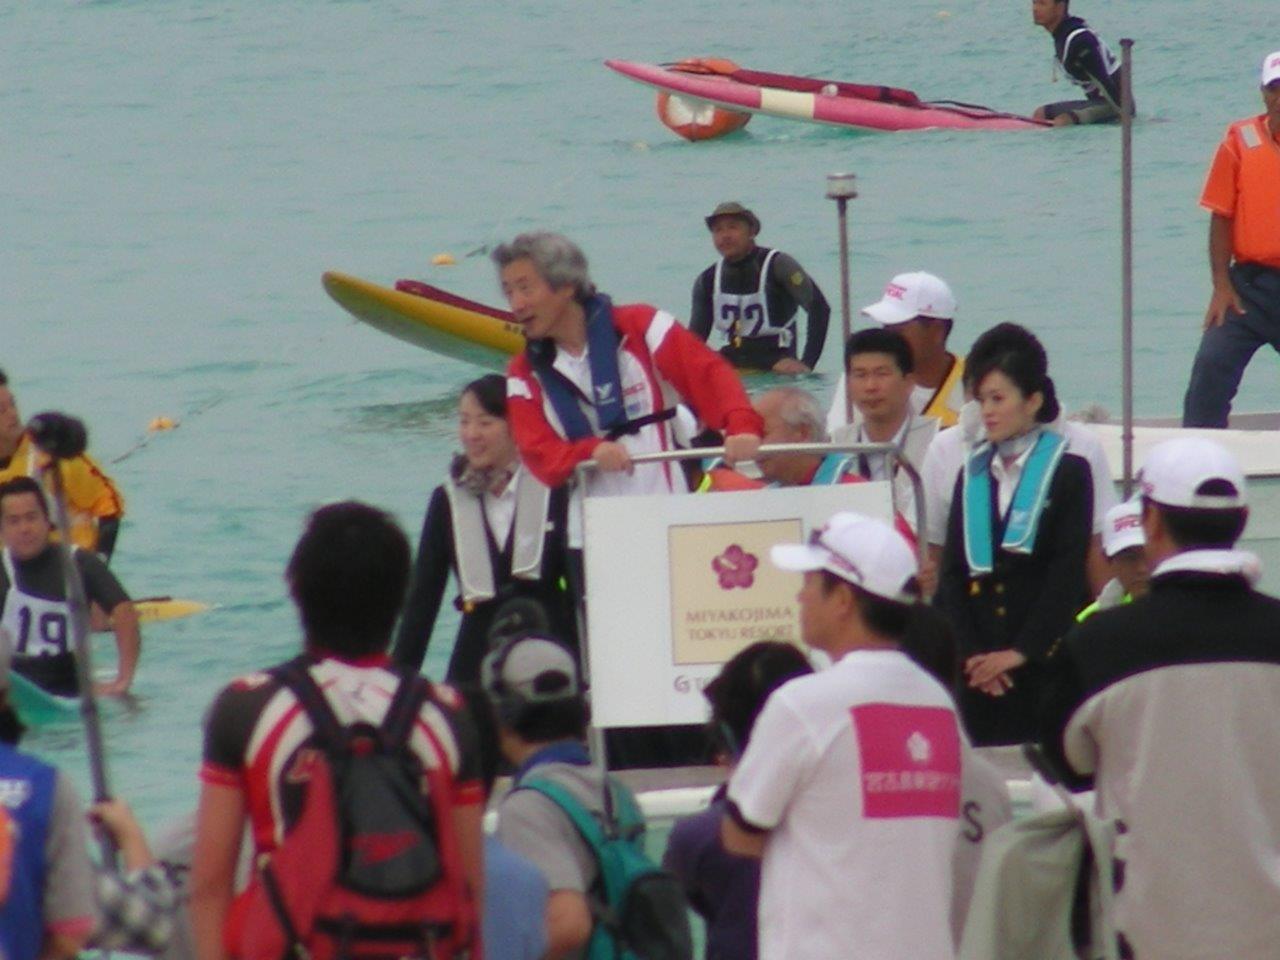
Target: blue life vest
[[832, 469], [567, 398], [606, 382], [1028, 503], [26, 790]]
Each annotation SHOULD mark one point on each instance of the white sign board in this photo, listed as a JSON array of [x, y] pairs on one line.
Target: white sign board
[[676, 585]]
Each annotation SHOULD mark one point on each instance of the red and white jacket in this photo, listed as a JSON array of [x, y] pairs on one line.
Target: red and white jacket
[[660, 364]]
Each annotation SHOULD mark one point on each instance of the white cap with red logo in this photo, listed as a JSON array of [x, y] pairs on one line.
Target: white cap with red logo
[[862, 550], [1123, 527], [911, 295], [1192, 472], [1271, 68]]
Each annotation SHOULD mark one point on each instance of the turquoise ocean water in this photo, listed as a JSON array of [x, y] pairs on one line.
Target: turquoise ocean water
[[174, 177]]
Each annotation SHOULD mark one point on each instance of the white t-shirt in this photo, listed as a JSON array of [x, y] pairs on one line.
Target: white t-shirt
[[945, 457], [856, 772]]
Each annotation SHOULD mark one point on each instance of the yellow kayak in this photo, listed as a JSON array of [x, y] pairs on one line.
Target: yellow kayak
[[430, 318], [155, 609], [434, 319]]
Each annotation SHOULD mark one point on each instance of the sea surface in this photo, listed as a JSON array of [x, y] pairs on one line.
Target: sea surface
[[175, 176]]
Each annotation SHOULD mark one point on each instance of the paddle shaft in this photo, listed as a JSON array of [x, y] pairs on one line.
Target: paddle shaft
[[79, 605], [1126, 258]]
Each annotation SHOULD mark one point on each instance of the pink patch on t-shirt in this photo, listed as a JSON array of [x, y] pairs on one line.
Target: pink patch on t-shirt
[[910, 760]]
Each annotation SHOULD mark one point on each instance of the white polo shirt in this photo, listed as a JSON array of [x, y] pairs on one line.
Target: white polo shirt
[[856, 772]]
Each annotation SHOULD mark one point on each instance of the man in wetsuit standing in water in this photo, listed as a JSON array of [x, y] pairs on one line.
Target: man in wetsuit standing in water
[[1086, 60], [751, 295]]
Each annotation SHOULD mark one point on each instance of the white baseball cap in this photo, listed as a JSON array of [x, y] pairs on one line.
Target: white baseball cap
[[1123, 527], [911, 295], [1176, 471], [1271, 68], [862, 550]]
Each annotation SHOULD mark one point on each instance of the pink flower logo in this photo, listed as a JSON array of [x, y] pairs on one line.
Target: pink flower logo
[[735, 568]]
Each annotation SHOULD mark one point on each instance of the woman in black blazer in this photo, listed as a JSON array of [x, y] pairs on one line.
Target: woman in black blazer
[[1013, 566], [499, 532]]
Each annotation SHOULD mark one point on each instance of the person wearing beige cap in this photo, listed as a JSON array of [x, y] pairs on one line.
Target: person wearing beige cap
[[922, 308], [1167, 707], [533, 683], [1242, 195], [751, 294], [852, 778]]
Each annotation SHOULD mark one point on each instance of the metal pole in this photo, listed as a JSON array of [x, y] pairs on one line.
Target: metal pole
[[65, 438], [841, 188], [1126, 257]]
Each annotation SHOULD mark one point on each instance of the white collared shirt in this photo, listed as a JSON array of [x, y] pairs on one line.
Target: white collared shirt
[[500, 509], [1007, 474], [877, 464]]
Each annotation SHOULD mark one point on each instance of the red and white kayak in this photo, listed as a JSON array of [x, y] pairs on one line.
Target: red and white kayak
[[864, 106]]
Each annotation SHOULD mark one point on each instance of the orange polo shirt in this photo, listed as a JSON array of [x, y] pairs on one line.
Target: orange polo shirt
[[1244, 185]]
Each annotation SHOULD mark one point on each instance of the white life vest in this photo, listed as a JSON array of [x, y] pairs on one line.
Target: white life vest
[[39, 627], [474, 564], [746, 315]]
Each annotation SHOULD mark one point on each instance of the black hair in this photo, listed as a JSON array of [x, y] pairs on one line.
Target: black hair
[[20, 485], [553, 720], [348, 576], [886, 618], [884, 340], [1205, 528], [490, 392], [4, 379], [738, 693], [1028, 374], [1002, 338]]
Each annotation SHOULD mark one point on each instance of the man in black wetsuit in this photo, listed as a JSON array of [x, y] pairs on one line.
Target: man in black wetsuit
[[751, 295], [33, 597], [1087, 62]]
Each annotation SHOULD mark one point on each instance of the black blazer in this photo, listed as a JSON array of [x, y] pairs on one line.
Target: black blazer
[[1026, 603], [435, 562]]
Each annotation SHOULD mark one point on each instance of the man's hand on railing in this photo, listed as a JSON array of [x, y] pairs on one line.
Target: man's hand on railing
[[740, 447]]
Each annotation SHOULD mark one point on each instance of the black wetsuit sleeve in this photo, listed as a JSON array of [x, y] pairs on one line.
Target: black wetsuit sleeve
[[108, 531], [799, 286], [700, 319], [1085, 60], [100, 584], [430, 575]]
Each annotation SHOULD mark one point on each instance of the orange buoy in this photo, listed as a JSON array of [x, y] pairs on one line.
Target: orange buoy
[[697, 119]]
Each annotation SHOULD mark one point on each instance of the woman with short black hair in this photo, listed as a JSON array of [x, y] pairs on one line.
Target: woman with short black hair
[[1013, 566], [500, 532]]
